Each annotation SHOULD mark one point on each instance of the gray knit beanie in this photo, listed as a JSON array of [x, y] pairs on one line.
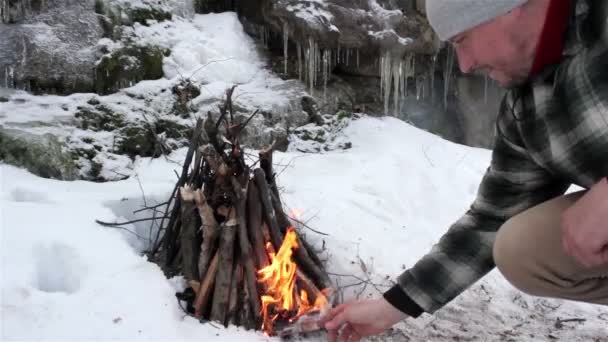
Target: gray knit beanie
[[452, 17]]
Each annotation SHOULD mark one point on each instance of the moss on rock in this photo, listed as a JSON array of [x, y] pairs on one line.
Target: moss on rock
[[128, 65], [149, 140], [142, 15], [44, 155], [101, 118]]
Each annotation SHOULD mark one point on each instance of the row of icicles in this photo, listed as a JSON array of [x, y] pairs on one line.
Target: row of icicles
[[394, 71]]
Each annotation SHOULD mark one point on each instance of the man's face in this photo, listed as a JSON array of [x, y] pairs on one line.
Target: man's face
[[497, 49]]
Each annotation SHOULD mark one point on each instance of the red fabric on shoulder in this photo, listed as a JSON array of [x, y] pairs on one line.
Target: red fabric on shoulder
[[551, 42]]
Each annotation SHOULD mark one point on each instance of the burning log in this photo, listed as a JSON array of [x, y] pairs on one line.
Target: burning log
[[231, 239]]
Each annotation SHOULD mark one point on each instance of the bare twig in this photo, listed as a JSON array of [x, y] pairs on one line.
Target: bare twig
[[128, 231], [154, 207], [207, 64], [303, 224], [109, 224], [560, 322]]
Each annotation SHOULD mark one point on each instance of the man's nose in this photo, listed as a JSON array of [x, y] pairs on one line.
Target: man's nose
[[465, 60]]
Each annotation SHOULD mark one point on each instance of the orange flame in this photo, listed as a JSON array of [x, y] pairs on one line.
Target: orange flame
[[279, 280]]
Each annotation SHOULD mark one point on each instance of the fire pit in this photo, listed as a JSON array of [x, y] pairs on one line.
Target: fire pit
[[228, 235]]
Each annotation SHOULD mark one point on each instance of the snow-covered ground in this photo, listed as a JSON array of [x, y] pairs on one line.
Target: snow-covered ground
[[384, 202]]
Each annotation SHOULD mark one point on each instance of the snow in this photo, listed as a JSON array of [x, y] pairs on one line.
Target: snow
[[212, 50], [215, 51], [313, 11], [383, 203]]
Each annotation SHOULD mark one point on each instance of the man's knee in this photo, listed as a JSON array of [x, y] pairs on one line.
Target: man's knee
[[514, 255]]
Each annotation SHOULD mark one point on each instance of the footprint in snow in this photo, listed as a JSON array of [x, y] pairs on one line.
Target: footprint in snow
[[58, 268]]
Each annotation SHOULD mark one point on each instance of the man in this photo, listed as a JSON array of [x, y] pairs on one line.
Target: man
[[552, 131]]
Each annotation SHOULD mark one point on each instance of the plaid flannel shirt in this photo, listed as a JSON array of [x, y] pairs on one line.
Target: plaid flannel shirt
[[550, 133]]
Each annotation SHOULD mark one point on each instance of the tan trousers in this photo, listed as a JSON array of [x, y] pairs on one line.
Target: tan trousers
[[528, 251]]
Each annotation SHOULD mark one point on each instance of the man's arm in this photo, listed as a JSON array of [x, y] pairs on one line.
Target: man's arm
[[512, 184]]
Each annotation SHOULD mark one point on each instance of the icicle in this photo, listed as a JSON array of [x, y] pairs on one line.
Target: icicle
[[4, 17], [326, 70], [386, 66], [285, 46], [417, 89], [312, 56], [381, 72], [299, 48], [447, 75], [485, 89], [24, 54], [402, 80], [347, 55], [395, 75], [9, 77], [357, 58], [338, 55], [432, 74]]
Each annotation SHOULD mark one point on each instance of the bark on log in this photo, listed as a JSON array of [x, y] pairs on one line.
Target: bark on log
[[232, 314], [172, 227], [221, 293], [250, 270], [307, 285], [188, 239], [301, 255], [204, 291], [269, 215], [211, 230], [246, 314], [254, 226]]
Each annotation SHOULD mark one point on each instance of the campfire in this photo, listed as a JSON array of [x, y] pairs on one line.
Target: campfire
[[229, 236]]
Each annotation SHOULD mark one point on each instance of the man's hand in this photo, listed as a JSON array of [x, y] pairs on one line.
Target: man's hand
[[585, 227], [355, 320]]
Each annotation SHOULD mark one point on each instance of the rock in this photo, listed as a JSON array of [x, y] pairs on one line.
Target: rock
[[128, 65], [42, 155], [184, 92], [309, 106], [49, 47]]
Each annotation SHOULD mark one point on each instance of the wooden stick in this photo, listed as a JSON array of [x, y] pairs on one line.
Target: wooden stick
[[269, 215], [232, 314], [266, 165], [211, 230], [250, 271], [245, 318], [204, 291], [282, 218], [188, 239], [302, 256], [221, 293], [172, 228], [254, 226], [307, 285]]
